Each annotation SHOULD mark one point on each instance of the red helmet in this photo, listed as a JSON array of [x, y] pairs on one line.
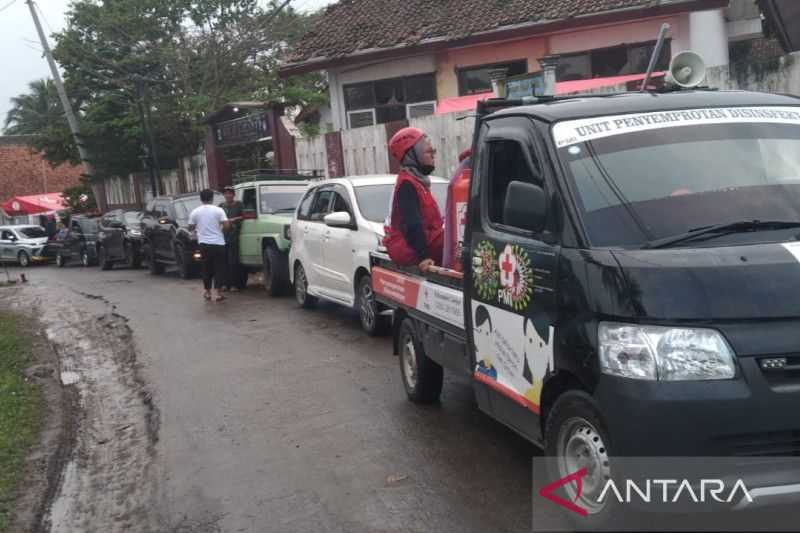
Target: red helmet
[[403, 141]]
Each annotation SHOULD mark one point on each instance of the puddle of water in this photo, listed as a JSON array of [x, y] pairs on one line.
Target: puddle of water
[[70, 378]]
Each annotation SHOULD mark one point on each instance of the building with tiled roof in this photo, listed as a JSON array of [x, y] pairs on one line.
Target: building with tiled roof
[[389, 60]]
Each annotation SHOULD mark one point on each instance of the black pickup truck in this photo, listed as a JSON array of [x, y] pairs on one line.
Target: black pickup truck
[[631, 283]]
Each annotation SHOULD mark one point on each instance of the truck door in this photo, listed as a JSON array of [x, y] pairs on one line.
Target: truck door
[[250, 234], [512, 314]]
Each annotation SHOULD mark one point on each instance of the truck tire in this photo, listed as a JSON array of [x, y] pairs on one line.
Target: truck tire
[[102, 258], [24, 259], [368, 310], [276, 271], [156, 268], [304, 300], [575, 427], [422, 376]]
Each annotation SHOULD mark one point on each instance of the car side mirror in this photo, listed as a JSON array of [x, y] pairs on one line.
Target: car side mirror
[[339, 219], [525, 206], [249, 214], [12, 238]]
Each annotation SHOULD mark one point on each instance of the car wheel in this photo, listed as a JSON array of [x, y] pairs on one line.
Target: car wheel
[[156, 268], [368, 310], [85, 260], [102, 258], [304, 299], [576, 437], [60, 262], [276, 271], [422, 376], [184, 266], [24, 259]]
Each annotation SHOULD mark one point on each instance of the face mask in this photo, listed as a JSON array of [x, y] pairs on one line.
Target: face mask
[[426, 169]]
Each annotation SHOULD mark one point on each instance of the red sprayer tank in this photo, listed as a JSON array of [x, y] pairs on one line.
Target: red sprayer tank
[[456, 213]]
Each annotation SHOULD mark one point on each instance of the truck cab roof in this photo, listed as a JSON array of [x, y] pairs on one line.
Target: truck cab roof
[[578, 107]]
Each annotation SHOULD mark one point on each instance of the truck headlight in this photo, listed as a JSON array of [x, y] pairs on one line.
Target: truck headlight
[[287, 232], [663, 353]]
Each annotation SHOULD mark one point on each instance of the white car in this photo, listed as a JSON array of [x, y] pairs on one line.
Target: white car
[[22, 244], [336, 226]]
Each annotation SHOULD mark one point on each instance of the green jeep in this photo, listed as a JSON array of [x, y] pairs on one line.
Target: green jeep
[[269, 202]]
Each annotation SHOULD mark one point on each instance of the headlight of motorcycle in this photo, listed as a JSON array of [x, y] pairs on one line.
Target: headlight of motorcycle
[[663, 353]]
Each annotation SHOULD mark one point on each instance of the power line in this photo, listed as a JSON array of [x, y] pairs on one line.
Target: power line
[[11, 3], [43, 17]]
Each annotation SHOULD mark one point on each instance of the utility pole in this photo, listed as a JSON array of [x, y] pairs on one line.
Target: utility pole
[[99, 188], [152, 155]]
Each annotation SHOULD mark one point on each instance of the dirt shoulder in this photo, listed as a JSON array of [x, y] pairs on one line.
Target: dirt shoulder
[[35, 414]]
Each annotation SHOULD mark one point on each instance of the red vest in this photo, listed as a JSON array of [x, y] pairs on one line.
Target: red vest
[[395, 242]]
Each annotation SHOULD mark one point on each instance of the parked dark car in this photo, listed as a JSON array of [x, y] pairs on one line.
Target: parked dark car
[[120, 239], [76, 242], [167, 239]]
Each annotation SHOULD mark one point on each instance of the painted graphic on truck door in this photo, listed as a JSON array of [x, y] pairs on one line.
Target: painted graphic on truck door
[[513, 282]]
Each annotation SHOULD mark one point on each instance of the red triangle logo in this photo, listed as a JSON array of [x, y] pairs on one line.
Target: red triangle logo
[[548, 491]]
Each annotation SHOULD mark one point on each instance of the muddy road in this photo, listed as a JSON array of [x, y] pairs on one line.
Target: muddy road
[[255, 416]]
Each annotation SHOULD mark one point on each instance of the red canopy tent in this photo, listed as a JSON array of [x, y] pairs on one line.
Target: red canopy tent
[[33, 205], [469, 102]]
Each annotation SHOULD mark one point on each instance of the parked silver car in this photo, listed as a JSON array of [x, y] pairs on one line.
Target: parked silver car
[[22, 244]]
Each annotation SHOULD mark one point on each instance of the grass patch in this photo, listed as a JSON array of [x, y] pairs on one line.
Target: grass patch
[[21, 409]]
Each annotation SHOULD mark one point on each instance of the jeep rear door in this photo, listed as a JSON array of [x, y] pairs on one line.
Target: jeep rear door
[[251, 230]]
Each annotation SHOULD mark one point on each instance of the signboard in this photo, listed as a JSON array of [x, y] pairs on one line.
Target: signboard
[[525, 85], [577, 131], [243, 130]]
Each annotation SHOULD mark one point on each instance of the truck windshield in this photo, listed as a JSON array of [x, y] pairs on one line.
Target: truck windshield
[[657, 182], [373, 200]]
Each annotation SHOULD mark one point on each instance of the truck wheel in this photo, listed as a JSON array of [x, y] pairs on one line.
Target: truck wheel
[[184, 267], [156, 268], [576, 437], [60, 260], [276, 271], [304, 299], [102, 258], [422, 376], [368, 310], [24, 259]]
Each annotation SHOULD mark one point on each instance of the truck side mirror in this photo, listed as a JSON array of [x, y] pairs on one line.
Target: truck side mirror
[[525, 206]]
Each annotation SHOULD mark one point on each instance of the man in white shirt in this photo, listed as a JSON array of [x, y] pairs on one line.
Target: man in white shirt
[[210, 221]]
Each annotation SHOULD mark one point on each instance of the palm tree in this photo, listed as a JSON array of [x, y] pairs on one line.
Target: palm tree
[[36, 111]]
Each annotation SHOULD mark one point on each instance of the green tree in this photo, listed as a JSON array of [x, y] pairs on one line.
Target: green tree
[[184, 58], [36, 111]]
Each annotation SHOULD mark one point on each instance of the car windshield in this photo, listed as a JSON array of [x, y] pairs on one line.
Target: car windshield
[[132, 217], [32, 233], [646, 177], [275, 199], [373, 200]]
